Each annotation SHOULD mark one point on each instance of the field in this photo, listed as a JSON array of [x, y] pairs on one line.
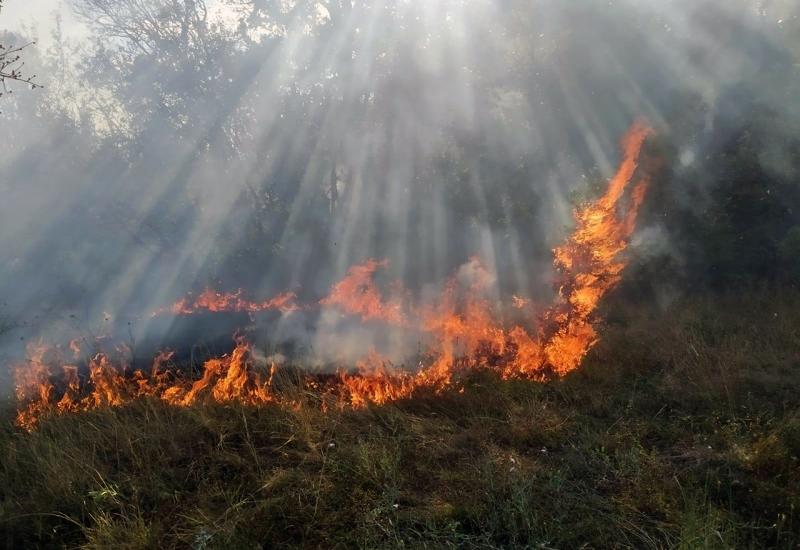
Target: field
[[681, 430]]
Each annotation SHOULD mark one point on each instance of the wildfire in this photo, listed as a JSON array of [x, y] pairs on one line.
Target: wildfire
[[461, 327]]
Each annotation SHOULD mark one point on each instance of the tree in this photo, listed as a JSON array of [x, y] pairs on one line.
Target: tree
[[11, 66]]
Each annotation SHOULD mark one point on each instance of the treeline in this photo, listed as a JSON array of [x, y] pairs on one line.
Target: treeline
[[725, 211]]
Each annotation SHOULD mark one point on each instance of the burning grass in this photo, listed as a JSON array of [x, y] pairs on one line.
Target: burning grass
[[462, 327], [681, 429]]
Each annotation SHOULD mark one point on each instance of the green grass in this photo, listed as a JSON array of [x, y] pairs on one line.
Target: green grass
[[682, 430]]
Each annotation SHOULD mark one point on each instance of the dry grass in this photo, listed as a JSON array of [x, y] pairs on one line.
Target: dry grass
[[681, 430]]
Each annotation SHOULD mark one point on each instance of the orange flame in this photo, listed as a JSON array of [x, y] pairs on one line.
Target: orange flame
[[590, 259], [229, 378], [211, 300], [461, 326], [357, 294]]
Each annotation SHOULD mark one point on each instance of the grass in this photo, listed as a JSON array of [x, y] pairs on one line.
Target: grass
[[681, 430]]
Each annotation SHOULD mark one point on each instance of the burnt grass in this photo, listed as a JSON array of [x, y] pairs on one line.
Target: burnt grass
[[681, 430]]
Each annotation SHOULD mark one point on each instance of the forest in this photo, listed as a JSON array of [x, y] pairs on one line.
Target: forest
[[400, 274]]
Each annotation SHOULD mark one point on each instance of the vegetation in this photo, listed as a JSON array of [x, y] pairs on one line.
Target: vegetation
[[681, 430]]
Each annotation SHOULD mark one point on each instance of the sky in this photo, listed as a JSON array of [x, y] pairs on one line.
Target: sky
[[37, 17]]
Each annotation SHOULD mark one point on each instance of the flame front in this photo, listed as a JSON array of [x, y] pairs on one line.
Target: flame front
[[460, 326]]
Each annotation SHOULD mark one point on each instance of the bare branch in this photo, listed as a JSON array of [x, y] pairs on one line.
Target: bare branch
[[11, 67]]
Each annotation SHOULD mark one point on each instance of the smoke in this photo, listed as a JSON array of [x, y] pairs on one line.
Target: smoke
[[269, 146]]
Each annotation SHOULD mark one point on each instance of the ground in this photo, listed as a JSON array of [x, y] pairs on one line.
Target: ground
[[681, 429]]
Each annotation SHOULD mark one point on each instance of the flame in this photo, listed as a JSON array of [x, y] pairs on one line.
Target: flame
[[232, 377], [376, 382], [461, 328], [229, 378], [211, 300], [590, 260], [32, 385], [357, 294]]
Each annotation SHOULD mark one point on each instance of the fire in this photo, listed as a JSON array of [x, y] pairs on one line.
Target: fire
[[375, 382], [461, 328], [233, 377], [230, 378], [590, 259], [357, 294], [211, 300], [33, 386]]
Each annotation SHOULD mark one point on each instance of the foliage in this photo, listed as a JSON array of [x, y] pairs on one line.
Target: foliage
[[789, 252], [727, 220]]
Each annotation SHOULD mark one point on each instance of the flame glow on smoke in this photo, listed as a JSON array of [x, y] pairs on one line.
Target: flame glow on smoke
[[461, 327]]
